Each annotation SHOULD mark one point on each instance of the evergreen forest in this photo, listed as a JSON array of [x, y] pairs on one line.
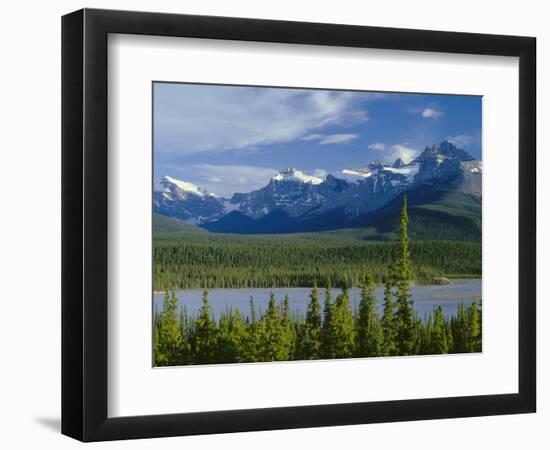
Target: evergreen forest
[[330, 329], [208, 261]]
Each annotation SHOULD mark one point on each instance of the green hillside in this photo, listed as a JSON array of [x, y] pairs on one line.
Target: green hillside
[[443, 214], [163, 225]]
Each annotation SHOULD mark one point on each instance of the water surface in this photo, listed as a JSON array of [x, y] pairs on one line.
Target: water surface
[[426, 298]]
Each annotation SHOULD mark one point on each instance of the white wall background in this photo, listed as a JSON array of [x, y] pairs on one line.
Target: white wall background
[[30, 221]]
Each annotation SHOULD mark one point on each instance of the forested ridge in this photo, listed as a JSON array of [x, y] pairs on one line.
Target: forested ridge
[[223, 261], [330, 328]]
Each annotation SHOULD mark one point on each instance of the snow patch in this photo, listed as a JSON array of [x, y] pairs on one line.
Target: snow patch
[[292, 174], [409, 171], [185, 186], [229, 207], [363, 173]]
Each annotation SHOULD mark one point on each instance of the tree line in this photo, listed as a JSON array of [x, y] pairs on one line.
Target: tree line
[[208, 262], [329, 330]]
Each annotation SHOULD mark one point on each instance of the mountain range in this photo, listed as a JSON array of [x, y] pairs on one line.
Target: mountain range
[[443, 188]]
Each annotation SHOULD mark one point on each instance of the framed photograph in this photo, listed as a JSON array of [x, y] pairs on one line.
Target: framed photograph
[[273, 224]]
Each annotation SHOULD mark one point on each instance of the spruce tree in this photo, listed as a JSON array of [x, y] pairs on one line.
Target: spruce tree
[[450, 338], [474, 328], [461, 331], [402, 268], [289, 337], [438, 341], [419, 331], [344, 336], [157, 359], [328, 333], [402, 274], [183, 325], [427, 337], [167, 345], [250, 342], [252, 311], [224, 342], [368, 330], [310, 347], [388, 322], [272, 345], [182, 322], [203, 340], [230, 338]]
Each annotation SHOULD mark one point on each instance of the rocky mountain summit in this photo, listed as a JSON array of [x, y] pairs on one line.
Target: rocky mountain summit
[[294, 201]]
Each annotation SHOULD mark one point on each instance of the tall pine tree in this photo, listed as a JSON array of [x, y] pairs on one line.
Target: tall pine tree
[[474, 328], [328, 335], [168, 341], [310, 347], [388, 322], [461, 332], [250, 343], [402, 274], [272, 344], [289, 335], [368, 330], [439, 338], [343, 331], [203, 337]]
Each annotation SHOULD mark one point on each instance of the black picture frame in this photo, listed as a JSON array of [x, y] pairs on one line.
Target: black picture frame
[[84, 224]]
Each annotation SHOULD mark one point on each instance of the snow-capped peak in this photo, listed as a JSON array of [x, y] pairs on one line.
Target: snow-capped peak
[[377, 168], [292, 174], [442, 151], [167, 182]]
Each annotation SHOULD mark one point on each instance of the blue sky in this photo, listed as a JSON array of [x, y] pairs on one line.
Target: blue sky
[[229, 139]]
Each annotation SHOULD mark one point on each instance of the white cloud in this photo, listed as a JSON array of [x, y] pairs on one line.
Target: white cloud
[[463, 140], [338, 138], [406, 153], [325, 139], [377, 146], [389, 154], [320, 173], [431, 113], [312, 137], [199, 118]]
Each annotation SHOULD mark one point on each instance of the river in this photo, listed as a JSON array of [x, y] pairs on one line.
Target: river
[[425, 297]]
